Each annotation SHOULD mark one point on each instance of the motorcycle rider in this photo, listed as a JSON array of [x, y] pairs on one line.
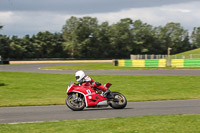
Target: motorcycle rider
[[87, 81]]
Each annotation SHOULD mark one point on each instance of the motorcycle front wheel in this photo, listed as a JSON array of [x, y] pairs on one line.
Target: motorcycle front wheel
[[75, 103], [119, 102]]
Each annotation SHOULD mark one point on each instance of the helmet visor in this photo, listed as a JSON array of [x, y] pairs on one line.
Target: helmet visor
[[77, 77]]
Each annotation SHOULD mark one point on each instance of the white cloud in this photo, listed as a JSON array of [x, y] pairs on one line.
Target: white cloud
[[187, 14], [22, 22], [8, 17], [176, 10]]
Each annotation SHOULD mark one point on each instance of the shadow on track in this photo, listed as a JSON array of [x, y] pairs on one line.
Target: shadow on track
[[103, 109]]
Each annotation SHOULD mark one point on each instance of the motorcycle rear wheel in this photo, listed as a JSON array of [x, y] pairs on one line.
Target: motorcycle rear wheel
[[119, 102], [75, 104]]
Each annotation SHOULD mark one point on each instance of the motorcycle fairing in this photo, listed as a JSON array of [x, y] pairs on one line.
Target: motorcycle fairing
[[91, 98]]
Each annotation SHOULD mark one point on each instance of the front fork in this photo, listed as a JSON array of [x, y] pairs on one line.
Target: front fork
[[76, 97]]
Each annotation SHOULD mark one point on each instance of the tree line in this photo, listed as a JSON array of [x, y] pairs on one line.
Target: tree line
[[85, 37]]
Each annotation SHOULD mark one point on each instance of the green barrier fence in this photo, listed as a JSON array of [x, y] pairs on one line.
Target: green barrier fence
[[185, 63], [158, 63], [151, 63], [192, 63], [142, 63], [128, 63]]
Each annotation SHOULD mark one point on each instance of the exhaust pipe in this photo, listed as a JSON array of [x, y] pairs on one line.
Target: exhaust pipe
[[103, 103]]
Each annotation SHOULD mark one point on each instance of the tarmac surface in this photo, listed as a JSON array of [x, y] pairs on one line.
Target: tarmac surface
[[35, 68], [62, 112]]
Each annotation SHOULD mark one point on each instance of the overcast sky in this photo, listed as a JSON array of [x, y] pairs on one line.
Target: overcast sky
[[21, 17]]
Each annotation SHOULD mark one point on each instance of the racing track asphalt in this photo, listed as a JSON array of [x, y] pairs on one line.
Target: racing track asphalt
[[61, 112], [36, 69]]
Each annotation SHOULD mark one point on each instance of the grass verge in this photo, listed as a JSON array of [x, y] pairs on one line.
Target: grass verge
[[20, 89], [142, 124], [106, 67], [187, 54]]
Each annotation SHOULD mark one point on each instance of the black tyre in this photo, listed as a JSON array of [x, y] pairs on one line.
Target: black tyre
[[119, 102], [75, 104]]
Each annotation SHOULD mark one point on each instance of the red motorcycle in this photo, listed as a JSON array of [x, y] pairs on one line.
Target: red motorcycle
[[80, 97]]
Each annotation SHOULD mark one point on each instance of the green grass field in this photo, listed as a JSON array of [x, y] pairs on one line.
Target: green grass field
[[22, 89], [142, 124], [195, 52], [48, 89]]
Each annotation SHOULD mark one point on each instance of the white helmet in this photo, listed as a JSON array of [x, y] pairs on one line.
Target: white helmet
[[79, 75]]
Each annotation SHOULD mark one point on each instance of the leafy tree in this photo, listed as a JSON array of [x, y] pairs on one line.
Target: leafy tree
[[70, 36], [121, 38], [77, 33], [101, 39], [4, 46], [48, 45], [173, 35], [143, 38], [17, 50], [28, 45], [195, 37], [57, 42], [86, 38]]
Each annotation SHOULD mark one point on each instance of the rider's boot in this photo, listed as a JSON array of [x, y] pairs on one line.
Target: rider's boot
[[108, 94]]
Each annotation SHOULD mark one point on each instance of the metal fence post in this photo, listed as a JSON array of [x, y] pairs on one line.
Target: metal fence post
[[169, 58]]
